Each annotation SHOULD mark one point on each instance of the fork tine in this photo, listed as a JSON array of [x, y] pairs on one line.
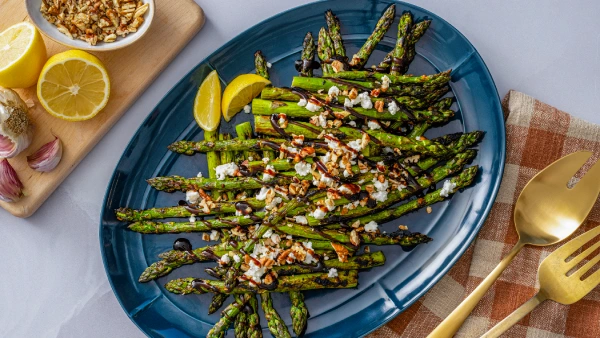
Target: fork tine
[[576, 260], [592, 281], [586, 267], [571, 246], [564, 168], [589, 181]]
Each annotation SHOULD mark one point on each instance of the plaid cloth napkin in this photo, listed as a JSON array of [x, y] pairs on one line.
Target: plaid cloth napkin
[[537, 135]]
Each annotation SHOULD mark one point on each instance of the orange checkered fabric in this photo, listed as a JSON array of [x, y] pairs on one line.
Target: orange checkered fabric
[[537, 134]]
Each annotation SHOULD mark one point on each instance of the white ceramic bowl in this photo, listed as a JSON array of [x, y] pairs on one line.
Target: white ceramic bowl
[[49, 30]]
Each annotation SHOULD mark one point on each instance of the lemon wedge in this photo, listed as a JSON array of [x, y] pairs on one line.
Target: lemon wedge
[[73, 86], [22, 56], [207, 105], [240, 92]]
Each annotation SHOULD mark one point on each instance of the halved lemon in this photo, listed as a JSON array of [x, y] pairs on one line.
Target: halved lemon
[[22, 56], [207, 105], [73, 86], [240, 92]]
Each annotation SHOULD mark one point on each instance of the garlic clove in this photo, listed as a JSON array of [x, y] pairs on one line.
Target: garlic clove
[[47, 157], [16, 131], [11, 188]]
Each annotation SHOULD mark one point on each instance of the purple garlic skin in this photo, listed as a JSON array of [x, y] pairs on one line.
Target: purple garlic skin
[[16, 130], [11, 188], [47, 157]]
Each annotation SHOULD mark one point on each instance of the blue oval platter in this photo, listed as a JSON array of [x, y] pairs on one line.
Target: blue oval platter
[[384, 291]]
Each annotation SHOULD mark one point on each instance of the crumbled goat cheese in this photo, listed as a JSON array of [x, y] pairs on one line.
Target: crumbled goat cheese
[[385, 82], [448, 188], [255, 272], [275, 238], [274, 203], [373, 125], [247, 109], [301, 219], [332, 273], [326, 158], [333, 91], [302, 102], [347, 174], [325, 257], [322, 120], [192, 219], [262, 194], [348, 103], [192, 196], [282, 120], [419, 138], [393, 108], [225, 259], [269, 65], [371, 226], [380, 186], [312, 107], [265, 160], [365, 101], [356, 145], [268, 233], [266, 175], [227, 169], [344, 190], [302, 168], [352, 123], [199, 174], [289, 236], [380, 196], [318, 213], [237, 258], [388, 150], [214, 235]]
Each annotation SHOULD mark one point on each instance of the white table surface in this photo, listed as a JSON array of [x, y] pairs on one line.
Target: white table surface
[[53, 282]]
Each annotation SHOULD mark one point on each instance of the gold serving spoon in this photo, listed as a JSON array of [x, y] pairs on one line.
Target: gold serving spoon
[[555, 281], [546, 212]]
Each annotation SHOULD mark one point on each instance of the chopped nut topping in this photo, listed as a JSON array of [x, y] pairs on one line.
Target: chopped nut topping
[[353, 93], [94, 20], [379, 106], [402, 227], [337, 66], [367, 249], [354, 239], [429, 210], [341, 251]]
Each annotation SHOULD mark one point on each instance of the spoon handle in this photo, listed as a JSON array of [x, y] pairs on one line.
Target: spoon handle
[[515, 317], [454, 321]]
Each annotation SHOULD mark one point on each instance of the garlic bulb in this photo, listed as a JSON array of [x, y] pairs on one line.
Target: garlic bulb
[[47, 157], [11, 188], [16, 130]]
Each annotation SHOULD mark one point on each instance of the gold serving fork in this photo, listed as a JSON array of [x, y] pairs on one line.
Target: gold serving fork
[[547, 212], [557, 280]]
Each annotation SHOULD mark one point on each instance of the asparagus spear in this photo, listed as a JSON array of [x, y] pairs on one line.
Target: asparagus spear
[[308, 55], [178, 183], [360, 262], [284, 94], [325, 50], [241, 320], [261, 64], [399, 53], [419, 129], [315, 84], [275, 323], [385, 22], [217, 301], [333, 23], [230, 312], [244, 132], [254, 330], [417, 31], [345, 280], [173, 259], [299, 312], [430, 81], [212, 157], [227, 157], [191, 147]]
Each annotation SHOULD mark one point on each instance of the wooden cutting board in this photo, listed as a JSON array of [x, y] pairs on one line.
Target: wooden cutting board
[[131, 70]]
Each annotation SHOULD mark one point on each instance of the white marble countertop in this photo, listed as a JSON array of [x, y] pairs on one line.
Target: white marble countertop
[[53, 282]]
